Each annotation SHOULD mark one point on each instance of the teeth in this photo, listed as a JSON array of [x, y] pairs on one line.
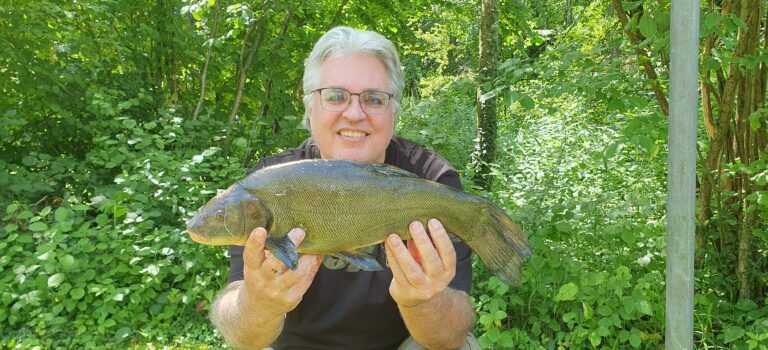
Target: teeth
[[351, 133]]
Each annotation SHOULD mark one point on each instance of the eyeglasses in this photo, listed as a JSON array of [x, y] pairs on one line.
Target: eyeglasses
[[373, 102]]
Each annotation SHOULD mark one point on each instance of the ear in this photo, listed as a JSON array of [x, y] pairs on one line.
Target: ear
[[308, 118]]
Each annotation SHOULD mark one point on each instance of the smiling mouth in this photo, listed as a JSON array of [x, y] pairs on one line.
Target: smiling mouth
[[348, 133]]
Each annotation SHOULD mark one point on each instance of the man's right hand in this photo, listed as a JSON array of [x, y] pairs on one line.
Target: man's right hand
[[270, 288]]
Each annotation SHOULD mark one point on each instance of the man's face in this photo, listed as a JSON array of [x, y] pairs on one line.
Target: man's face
[[352, 133]]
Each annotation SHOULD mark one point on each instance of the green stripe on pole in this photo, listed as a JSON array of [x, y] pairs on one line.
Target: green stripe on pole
[[681, 185]]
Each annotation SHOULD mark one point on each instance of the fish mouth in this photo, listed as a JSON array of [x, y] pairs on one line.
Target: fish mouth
[[198, 238]]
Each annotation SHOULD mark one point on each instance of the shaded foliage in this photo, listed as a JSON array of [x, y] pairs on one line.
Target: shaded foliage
[[109, 142]]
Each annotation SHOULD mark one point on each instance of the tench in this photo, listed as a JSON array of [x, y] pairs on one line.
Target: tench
[[346, 205]]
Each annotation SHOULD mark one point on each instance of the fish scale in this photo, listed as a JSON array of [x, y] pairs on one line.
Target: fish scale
[[346, 205]]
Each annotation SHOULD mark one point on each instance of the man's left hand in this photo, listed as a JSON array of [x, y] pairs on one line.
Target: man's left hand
[[422, 269]]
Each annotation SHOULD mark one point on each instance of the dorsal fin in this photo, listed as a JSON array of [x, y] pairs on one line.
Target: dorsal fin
[[388, 170]]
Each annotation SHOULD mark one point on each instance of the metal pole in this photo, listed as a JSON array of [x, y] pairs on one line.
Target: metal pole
[[681, 168]]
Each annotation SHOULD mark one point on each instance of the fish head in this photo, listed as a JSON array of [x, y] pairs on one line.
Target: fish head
[[228, 218]]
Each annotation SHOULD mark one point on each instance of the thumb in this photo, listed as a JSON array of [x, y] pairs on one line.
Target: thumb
[[296, 236]]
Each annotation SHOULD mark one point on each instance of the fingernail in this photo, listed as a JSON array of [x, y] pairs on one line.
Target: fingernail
[[433, 223], [393, 239], [296, 234], [416, 226]]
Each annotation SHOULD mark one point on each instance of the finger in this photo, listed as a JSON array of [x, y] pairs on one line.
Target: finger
[[274, 266], [253, 254], [394, 265], [306, 265], [306, 272], [414, 251], [400, 255], [296, 236], [443, 245], [430, 260]]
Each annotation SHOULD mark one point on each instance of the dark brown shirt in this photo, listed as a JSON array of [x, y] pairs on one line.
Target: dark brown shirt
[[349, 309]]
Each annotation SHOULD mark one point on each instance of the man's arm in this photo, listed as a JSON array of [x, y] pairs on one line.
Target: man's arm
[[250, 313], [242, 328], [441, 322], [436, 316]]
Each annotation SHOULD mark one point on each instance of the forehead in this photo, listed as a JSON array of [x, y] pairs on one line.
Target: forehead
[[354, 72]]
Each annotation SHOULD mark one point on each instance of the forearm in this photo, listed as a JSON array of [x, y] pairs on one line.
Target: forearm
[[441, 322], [242, 327]]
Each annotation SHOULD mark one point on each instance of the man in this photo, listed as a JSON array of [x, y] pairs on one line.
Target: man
[[352, 83]]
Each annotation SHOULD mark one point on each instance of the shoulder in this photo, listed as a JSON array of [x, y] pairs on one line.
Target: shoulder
[[307, 150], [413, 157]]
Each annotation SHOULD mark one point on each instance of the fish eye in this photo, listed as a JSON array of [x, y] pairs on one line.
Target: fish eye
[[220, 214]]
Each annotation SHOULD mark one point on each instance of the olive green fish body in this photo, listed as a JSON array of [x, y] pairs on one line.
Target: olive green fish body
[[345, 205]]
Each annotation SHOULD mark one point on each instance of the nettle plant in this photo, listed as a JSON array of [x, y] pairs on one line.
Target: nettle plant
[[116, 266]]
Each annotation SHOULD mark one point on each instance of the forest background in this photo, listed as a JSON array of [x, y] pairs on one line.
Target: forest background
[[118, 119]]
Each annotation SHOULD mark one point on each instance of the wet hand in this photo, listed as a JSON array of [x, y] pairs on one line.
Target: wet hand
[[270, 288], [422, 269]]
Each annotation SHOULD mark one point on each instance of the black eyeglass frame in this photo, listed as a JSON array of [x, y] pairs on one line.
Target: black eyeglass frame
[[358, 94]]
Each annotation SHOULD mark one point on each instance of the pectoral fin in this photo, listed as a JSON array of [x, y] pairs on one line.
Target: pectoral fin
[[284, 250], [363, 261]]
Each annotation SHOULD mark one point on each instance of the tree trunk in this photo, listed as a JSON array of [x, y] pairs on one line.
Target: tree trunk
[[485, 150], [204, 74], [732, 96], [739, 93], [245, 62]]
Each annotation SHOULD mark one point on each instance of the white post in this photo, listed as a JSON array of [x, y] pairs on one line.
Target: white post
[[681, 186]]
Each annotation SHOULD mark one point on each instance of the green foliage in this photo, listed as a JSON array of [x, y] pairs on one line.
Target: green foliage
[[85, 276], [103, 159]]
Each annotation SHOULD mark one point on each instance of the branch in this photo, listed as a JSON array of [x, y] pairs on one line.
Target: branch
[[251, 53], [643, 57]]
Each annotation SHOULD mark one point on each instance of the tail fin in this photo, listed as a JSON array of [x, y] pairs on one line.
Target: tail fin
[[501, 245]]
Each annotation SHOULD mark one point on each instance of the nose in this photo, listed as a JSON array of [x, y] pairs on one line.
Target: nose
[[354, 110]]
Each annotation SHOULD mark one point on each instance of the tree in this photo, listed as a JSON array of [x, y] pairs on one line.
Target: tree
[[485, 149], [733, 90]]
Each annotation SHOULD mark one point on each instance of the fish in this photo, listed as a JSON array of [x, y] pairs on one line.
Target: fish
[[345, 205]]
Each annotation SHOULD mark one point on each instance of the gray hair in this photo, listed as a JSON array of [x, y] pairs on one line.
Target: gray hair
[[342, 41]]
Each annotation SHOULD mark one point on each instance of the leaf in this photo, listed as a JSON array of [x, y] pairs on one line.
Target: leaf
[[733, 333], [77, 293], [616, 104], [755, 119], [595, 339], [45, 211], [499, 315], [38, 226], [67, 261], [611, 150], [645, 307], [567, 292], [588, 312], [61, 214], [647, 26], [493, 334], [240, 142], [55, 280], [11, 208], [129, 123], [631, 5], [486, 319], [122, 333], [563, 227], [526, 102], [628, 237]]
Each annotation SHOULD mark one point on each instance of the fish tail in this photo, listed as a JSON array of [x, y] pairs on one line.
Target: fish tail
[[502, 245], [284, 250]]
